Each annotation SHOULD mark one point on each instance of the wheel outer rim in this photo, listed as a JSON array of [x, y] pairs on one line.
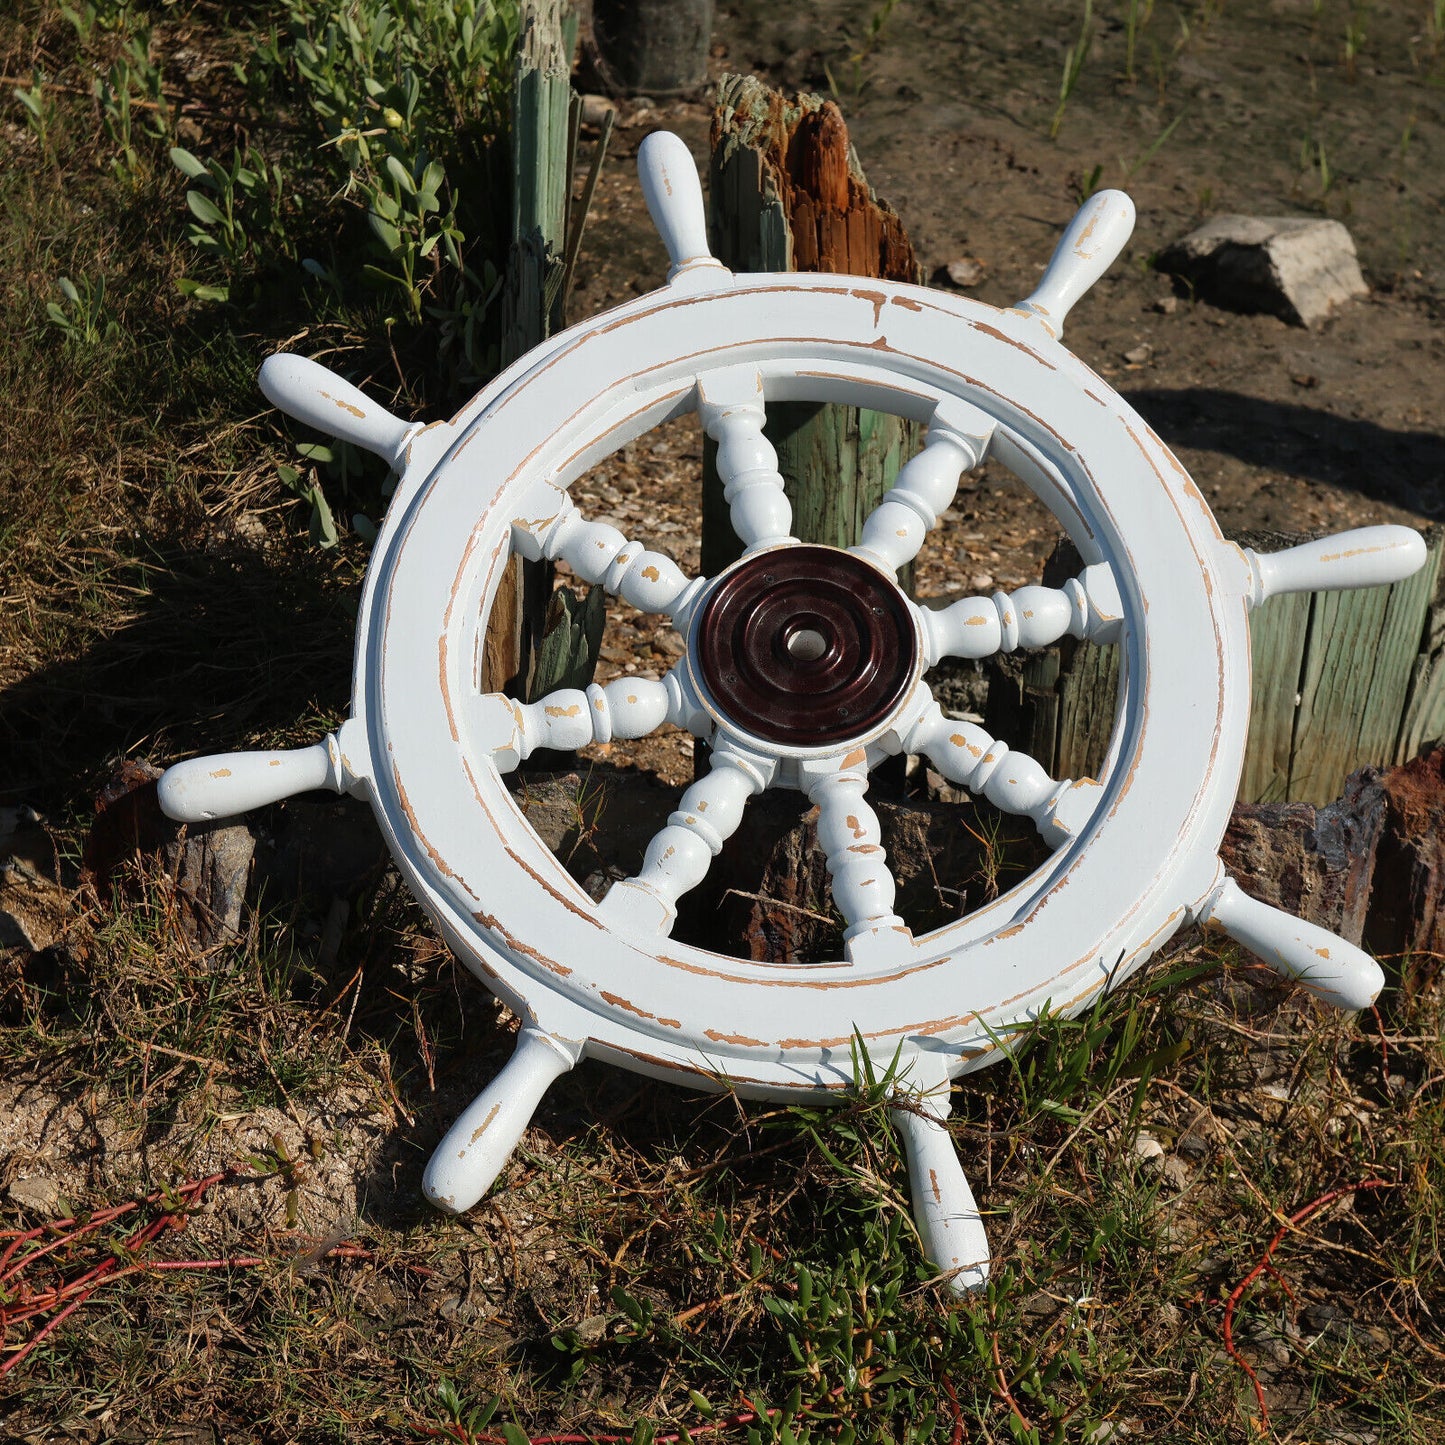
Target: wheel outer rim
[[667, 1007]]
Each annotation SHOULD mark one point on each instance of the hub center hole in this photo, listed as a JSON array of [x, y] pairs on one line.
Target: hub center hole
[[807, 644]]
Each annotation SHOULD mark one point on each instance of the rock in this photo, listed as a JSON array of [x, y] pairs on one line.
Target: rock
[[1292, 267], [35, 911], [1167, 305], [23, 835], [963, 273], [128, 822], [211, 866], [1147, 1149], [1138, 355], [36, 1195], [595, 109], [1175, 1173], [1407, 903]]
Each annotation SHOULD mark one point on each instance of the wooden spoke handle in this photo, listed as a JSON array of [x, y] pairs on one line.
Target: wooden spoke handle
[[948, 1220], [1096, 235], [308, 391], [674, 200], [221, 786], [1365, 557], [1333, 970], [476, 1148]]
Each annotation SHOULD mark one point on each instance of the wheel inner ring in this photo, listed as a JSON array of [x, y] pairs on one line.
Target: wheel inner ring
[[806, 646]]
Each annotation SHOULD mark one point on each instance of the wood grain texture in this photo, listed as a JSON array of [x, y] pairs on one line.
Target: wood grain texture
[[531, 301], [788, 194], [1341, 681]]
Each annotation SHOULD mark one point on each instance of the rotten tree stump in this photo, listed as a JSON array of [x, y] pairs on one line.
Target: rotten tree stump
[[788, 194], [1369, 866]]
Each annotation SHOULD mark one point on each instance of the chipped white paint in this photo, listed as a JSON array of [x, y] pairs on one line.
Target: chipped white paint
[[674, 201], [1012, 781], [1136, 851], [731, 406], [1366, 557], [1087, 249]]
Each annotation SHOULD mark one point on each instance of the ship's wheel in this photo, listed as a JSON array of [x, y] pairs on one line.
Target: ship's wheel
[[805, 666]]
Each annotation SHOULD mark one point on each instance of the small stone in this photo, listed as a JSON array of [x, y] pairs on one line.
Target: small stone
[[964, 272], [1147, 1149], [981, 583], [1287, 266], [36, 1195], [1306, 379], [595, 110], [1175, 1172], [1167, 305], [1138, 355]]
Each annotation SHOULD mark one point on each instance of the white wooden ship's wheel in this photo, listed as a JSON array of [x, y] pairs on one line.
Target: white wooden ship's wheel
[[804, 667]]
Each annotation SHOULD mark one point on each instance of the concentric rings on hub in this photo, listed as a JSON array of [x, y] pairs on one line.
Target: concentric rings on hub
[[806, 646]]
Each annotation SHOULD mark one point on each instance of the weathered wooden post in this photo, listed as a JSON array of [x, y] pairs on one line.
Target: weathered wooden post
[[788, 194], [1342, 680], [533, 641]]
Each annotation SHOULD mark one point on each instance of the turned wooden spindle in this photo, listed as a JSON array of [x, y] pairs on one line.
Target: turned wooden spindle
[[925, 487], [731, 407], [1086, 607], [597, 552], [948, 1219], [679, 855], [1012, 781], [222, 785], [851, 838]]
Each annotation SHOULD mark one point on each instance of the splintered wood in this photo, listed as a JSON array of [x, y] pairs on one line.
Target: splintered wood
[[789, 193]]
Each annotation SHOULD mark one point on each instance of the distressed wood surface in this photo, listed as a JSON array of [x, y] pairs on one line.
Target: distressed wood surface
[[788, 194], [1277, 652], [1423, 716], [543, 144], [1341, 680]]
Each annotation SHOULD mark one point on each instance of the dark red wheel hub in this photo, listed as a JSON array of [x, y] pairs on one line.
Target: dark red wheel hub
[[806, 646]]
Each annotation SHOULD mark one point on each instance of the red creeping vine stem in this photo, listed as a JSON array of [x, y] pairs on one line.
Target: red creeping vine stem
[[1266, 1266], [20, 1303]]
